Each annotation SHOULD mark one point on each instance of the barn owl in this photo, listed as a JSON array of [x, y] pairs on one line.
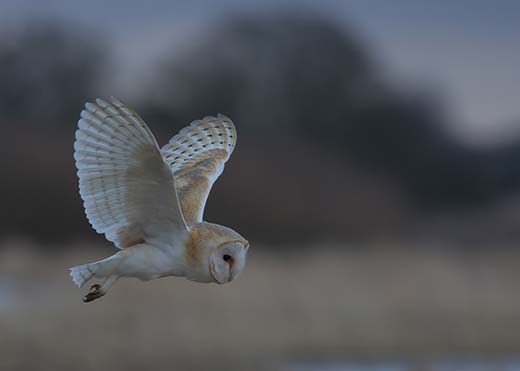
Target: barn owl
[[149, 201]]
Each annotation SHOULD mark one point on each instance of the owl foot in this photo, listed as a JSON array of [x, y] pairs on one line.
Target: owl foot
[[95, 293]]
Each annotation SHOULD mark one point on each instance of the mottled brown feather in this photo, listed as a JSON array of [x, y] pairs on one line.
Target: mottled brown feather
[[193, 183], [196, 157]]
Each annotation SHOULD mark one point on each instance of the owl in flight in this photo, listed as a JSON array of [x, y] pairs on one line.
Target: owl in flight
[[149, 201]]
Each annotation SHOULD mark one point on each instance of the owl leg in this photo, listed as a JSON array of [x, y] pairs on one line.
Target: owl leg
[[97, 291]]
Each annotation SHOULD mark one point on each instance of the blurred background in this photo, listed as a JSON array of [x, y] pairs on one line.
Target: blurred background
[[377, 177]]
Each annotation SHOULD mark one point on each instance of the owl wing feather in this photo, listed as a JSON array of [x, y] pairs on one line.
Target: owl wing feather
[[127, 189], [196, 157]]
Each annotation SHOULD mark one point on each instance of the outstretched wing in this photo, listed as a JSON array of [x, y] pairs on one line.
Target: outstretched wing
[[127, 189], [196, 157]]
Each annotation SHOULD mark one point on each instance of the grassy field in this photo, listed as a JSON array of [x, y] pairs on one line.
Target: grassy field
[[318, 302]]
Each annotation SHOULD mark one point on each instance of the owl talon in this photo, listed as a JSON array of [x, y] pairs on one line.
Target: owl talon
[[95, 288], [95, 293]]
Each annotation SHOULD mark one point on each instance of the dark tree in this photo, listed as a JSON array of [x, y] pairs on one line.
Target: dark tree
[[46, 73]]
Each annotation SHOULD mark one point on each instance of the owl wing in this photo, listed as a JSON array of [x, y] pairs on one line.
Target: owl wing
[[127, 189], [196, 157]]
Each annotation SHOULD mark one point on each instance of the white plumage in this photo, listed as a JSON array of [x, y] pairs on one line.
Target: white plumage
[[150, 201], [122, 180]]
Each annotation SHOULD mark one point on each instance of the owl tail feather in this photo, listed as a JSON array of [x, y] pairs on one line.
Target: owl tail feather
[[83, 273]]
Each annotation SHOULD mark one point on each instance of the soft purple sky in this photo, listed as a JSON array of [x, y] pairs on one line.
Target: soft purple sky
[[469, 49]]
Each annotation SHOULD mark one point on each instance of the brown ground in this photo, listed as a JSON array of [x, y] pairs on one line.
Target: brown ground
[[318, 302]]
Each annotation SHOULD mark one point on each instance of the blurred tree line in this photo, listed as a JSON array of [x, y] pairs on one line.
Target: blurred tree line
[[327, 148]]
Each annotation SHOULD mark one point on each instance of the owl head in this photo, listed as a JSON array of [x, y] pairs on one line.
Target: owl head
[[227, 260], [215, 253]]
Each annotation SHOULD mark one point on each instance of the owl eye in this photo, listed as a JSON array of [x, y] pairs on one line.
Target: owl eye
[[227, 258]]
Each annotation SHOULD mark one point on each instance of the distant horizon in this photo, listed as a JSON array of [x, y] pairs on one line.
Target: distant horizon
[[468, 52]]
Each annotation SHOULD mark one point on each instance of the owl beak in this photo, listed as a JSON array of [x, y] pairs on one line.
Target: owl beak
[[230, 276], [215, 276]]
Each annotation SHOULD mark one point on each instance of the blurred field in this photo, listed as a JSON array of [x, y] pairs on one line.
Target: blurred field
[[317, 302], [395, 133]]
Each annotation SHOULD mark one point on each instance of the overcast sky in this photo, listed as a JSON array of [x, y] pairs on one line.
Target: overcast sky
[[468, 49]]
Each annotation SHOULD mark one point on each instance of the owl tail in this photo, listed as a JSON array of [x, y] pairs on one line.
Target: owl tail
[[83, 273], [101, 270]]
